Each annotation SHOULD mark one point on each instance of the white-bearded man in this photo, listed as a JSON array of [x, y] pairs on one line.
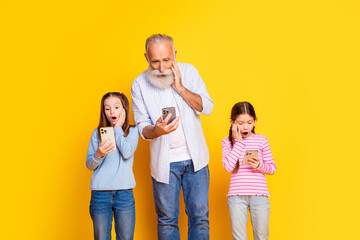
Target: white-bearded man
[[179, 154]]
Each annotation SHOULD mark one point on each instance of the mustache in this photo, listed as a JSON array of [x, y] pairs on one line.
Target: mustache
[[159, 79], [157, 73]]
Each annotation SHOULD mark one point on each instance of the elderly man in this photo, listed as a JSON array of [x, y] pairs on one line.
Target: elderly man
[[179, 154]]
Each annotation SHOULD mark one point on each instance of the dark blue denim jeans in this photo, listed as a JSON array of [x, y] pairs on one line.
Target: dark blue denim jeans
[[195, 189], [105, 205]]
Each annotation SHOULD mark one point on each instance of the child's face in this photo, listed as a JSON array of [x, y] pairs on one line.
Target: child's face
[[246, 124], [113, 108]]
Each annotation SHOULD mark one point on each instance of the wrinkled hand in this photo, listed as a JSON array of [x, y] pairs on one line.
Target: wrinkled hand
[[104, 148], [177, 85], [162, 127], [236, 132]]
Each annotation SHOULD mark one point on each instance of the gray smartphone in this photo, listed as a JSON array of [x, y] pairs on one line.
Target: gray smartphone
[[166, 111]]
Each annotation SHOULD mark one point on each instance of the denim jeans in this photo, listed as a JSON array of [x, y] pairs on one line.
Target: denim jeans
[[106, 204], [259, 207], [195, 189]]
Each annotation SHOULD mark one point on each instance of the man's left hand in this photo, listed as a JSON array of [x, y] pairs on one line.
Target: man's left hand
[[192, 99], [177, 85]]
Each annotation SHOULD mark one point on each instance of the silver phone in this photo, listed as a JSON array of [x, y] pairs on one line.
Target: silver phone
[[107, 133]]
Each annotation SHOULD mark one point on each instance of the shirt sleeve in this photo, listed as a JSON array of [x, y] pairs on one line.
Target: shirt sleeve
[[267, 165], [141, 116], [126, 145], [92, 160], [198, 87], [231, 155]]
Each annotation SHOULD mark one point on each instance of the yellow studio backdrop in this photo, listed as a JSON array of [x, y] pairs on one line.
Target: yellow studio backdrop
[[297, 62]]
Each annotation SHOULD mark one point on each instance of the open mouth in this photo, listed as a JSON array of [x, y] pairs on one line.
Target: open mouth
[[245, 134], [113, 118]]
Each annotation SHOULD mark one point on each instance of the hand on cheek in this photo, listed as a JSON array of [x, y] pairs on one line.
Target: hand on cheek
[[236, 132], [121, 119], [177, 76]]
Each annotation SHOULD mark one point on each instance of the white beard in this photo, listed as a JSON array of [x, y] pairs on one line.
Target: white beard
[[160, 82]]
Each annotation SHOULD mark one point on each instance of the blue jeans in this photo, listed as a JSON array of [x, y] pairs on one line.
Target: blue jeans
[[106, 204], [195, 189], [259, 207]]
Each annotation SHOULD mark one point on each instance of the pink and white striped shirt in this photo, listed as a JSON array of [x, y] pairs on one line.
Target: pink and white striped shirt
[[248, 181]]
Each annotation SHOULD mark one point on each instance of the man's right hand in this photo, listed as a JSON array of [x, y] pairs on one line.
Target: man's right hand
[[161, 127]]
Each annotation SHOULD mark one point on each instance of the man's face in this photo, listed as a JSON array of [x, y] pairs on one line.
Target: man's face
[[160, 56]]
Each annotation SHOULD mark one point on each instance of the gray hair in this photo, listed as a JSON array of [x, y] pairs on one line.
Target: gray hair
[[159, 38]]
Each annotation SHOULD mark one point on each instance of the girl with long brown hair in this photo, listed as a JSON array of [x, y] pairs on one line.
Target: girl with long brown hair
[[113, 180]]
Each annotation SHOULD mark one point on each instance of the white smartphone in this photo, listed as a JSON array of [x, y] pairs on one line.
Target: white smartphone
[[166, 111], [107, 133], [249, 154]]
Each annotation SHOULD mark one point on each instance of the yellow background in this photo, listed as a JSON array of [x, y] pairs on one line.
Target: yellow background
[[297, 62]]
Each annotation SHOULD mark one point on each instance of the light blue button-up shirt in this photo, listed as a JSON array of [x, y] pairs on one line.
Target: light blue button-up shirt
[[147, 103]]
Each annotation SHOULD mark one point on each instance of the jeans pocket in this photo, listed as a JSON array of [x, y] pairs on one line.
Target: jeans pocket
[[100, 201], [124, 199]]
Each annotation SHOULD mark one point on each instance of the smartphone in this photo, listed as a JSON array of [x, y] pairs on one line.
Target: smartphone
[[249, 154], [107, 133], [166, 111]]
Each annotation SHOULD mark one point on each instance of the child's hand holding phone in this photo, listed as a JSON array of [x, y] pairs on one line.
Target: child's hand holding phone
[[108, 143], [250, 158], [254, 162], [104, 148]]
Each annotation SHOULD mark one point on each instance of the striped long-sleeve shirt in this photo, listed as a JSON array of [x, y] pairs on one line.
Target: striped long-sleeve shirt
[[248, 181]]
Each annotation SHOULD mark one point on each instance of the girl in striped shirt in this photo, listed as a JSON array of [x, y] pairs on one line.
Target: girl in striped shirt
[[248, 189]]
